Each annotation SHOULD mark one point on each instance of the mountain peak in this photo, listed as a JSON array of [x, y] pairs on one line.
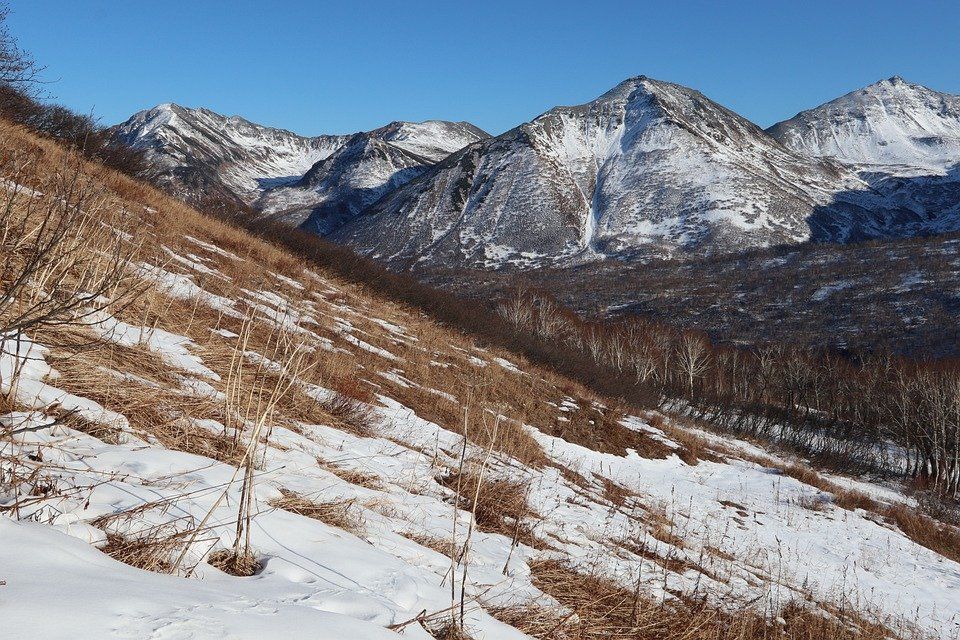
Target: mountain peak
[[648, 168], [889, 123]]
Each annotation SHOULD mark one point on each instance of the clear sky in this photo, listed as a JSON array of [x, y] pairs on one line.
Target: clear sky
[[334, 67]]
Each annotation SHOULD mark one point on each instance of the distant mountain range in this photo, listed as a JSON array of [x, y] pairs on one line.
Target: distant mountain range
[[649, 169], [302, 180]]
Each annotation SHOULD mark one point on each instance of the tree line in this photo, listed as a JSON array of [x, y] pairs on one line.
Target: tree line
[[862, 412]]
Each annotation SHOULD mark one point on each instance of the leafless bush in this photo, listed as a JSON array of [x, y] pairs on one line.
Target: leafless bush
[[63, 259]]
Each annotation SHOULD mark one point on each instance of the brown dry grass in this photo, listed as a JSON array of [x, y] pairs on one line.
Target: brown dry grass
[[501, 505], [343, 514], [240, 565], [158, 411], [600, 429], [353, 476], [148, 553], [434, 543], [597, 608], [924, 530]]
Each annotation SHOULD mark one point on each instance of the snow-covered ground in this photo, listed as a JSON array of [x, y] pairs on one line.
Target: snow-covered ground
[[735, 532]]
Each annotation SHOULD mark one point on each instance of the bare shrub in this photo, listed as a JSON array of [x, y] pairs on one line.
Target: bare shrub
[[242, 565], [64, 261]]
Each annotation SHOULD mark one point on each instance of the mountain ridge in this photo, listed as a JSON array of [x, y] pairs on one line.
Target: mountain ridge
[[649, 169], [890, 123], [594, 162], [198, 151]]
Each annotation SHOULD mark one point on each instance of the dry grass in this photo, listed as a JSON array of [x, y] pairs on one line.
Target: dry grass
[[353, 476], [924, 530], [600, 429], [441, 546], [148, 553], [446, 631], [159, 411], [351, 414], [597, 608], [616, 494], [500, 507], [343, 514], [240, 565]]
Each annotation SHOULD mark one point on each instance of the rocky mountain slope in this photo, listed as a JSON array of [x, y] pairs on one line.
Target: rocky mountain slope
[[363, 169], [648, 168], [904, 127], [198, 152], [903, 139]]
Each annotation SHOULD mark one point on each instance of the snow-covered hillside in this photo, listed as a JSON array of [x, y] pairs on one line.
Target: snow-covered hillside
[[384, 474], [903, 126]]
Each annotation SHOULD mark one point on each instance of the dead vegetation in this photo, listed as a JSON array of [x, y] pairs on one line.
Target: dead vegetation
[[600, 429], [342, 514], [595, 608], [353, 476], [499, 505], [443, 547], [150, 553], [242, 565]]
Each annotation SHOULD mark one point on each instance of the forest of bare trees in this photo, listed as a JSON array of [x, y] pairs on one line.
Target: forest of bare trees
[[871, 413]]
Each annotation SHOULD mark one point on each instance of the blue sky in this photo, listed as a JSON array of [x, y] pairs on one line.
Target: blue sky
[[336, 67]]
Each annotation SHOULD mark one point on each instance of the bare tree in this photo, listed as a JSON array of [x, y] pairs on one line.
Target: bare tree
[[17, 67], [693, 358]]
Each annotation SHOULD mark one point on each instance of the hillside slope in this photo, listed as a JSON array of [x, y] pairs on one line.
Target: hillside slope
[[284, 450]]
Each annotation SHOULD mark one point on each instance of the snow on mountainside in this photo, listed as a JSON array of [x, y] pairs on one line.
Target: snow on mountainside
[[366, 167], [198, 151], [901, 125], [647, 167]]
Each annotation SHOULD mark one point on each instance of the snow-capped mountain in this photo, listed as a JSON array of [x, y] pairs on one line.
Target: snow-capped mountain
[[363, 169], [647, 168], [199, 152], [905, 127]]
